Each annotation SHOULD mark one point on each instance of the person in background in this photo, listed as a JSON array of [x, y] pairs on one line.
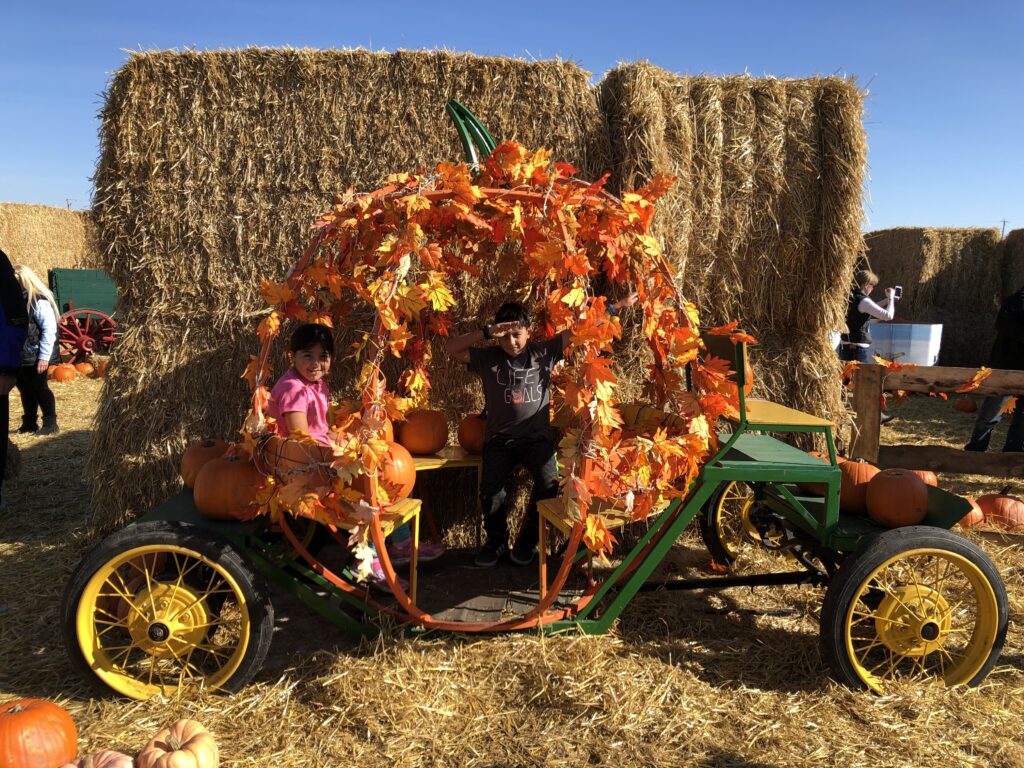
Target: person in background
[[860, 310], [1007, 353], [13, 329], [39, 353]]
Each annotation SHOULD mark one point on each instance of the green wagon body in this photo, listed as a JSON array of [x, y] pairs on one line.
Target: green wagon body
[[87, 302]]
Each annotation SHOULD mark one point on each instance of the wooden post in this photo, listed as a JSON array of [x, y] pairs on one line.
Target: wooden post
[[867, 404]]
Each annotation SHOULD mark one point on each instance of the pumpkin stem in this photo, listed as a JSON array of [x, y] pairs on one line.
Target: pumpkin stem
[[173, 742], [15, 709], [1006, 490], [89, 762]]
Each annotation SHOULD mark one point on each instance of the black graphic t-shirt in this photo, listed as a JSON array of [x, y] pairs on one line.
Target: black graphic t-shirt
[[517, 389]]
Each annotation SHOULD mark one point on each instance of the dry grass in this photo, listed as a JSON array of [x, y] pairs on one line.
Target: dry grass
[[709, 679], [763, 223], [949, 276], [213, 166], [44, 237]]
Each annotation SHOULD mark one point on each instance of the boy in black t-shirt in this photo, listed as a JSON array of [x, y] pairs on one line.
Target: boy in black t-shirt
[[516, 376]]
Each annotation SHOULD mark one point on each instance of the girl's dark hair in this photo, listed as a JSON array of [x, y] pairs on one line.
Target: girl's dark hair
[[309, 335], [513, 310]]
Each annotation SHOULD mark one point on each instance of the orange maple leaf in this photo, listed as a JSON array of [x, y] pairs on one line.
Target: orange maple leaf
[[1010, 405], [275, 293], [975, 381], [724, 330], [742, 338]]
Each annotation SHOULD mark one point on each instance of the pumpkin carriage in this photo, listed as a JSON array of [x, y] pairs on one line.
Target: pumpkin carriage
[[178, 598]]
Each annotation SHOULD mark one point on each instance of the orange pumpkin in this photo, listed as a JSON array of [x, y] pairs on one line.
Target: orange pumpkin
[[101, 368], [965, 404], [286, 458], [229, 488], [929, 477], [63, 372], [974, 517], [397, 475], [35, 733], [1003, 510], [817, 489], [196, 455], [853, 485], [106, 758], [471, 434], [84, 368], [423, 431], [186, 744], [897, 497]]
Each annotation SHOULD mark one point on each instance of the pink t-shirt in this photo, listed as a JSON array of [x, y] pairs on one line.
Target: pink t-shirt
[[291, 394]]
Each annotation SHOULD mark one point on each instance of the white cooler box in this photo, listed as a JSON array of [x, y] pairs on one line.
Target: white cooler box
[[915, 343]]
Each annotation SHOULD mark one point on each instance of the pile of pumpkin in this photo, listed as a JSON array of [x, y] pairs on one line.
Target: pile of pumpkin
[[897, 497], [68, 372], [227, 485], [35, 733]]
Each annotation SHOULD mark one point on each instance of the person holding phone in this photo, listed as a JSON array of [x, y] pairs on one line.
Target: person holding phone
[[860, 310]]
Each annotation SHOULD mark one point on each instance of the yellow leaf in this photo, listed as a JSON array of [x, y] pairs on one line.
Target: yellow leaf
[[575, 297], [276, 293], [975, 381]]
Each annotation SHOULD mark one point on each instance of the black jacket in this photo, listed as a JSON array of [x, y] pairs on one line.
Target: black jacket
[[13, 318], [1008, 348]]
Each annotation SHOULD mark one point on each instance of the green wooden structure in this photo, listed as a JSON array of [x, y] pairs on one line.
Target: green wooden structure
[[87, 301]]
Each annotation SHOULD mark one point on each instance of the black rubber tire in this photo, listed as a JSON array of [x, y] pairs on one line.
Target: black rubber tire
[[257, 599], [850, 578]]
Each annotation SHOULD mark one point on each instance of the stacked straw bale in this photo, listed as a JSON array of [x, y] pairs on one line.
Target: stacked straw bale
[[213, 165], [949, 276], [763, 223], [43, 237], [1013, 261]]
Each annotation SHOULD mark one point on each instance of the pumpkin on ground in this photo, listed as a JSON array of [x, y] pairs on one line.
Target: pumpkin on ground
[[35, 733], [897, 497], [974, 517], [229, 488], [423, 432], [853, 485], [471, 434], [101, 368], [397, 475], [929, 477], [106, 758], [196, 455], [1003, 510], [85, 368], [186, 744], [965, 405], [63, 372]]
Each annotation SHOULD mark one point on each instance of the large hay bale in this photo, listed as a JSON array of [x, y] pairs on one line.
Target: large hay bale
[[949, 276], [44, 237], [213, 165], [763, 223]]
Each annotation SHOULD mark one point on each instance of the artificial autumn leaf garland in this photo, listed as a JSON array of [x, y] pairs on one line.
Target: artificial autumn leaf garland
[[400, 248]]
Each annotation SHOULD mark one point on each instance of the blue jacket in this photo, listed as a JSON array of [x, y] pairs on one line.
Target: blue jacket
[[13, 318]]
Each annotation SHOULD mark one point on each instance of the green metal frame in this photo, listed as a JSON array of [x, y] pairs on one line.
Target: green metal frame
[[476, 141]]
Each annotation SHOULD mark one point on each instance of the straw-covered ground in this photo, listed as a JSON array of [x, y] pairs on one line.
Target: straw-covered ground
[[733, 678]]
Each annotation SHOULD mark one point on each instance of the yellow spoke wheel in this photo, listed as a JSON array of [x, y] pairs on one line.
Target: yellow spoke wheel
[[159, 607], [725, 525], [915, 603]]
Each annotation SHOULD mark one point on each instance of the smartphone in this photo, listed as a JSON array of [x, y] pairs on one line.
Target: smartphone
[[898, 292]]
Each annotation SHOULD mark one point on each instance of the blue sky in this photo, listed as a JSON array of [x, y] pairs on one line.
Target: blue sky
[[945, 107]]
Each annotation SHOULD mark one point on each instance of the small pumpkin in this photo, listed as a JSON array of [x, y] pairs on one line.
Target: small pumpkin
[[471, 434], [819, 489], [85, 368], [186, 744], [896, 497], [63, 372], [423, 432], [35, 733], [229, 488], [196, 455], [287, 458], [397, 475], [965, 405], [929, 477], [106, 758], [1003, 510], [853, 485], [974, 517], [101, 368]]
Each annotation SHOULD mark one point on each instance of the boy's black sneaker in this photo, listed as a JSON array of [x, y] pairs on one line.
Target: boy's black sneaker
[[25, 429], [521, 554], [48, 429], [489, 555]]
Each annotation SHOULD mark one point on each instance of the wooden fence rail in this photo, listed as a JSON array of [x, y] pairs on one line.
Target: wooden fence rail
[[870, 381]]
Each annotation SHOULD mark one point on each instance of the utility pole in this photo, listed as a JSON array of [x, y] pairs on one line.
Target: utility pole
[[1003, 233], [67, 202]]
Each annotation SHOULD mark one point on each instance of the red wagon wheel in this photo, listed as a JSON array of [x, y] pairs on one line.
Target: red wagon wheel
[[84, 332]]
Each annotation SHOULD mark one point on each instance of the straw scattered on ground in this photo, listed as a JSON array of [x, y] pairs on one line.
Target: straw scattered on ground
[[714, 679]]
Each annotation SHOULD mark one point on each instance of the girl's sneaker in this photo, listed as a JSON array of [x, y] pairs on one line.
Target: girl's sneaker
[[377, 581], [401, 553]]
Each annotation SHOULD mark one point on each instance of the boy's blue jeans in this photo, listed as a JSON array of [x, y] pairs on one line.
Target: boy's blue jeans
[[989, 416], [500, 458]]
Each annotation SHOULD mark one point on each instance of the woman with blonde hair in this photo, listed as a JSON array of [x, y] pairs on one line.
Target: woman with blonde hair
[[39, 353]]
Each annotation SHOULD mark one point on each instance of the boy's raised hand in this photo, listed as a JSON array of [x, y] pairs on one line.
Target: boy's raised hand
[[628, 301], [503, 329]]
